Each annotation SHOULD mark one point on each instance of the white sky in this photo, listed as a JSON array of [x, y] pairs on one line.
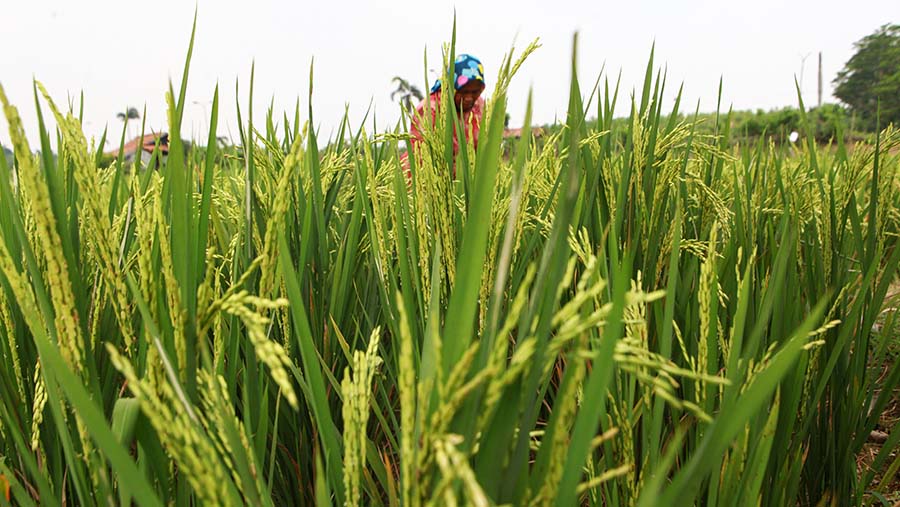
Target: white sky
[[122, 53]]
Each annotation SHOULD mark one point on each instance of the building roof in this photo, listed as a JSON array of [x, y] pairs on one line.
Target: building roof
[[146, 143]]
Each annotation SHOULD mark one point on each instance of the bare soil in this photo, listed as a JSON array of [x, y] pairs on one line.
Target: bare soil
[[889, 418]]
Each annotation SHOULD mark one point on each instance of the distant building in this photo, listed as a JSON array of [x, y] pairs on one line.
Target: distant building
[[143, 147]]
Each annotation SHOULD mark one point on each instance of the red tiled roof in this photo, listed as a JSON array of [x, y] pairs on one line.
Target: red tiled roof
[[147, 143]]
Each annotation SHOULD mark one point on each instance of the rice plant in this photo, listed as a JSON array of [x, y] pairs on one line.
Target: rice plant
[[648, 317]]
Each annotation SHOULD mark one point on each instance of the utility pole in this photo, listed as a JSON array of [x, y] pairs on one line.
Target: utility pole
[[820, 79]]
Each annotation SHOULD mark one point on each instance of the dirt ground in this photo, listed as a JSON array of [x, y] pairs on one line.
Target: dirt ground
[[889, 419]]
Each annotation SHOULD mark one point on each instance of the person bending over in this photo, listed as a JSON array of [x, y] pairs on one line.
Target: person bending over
[[468, 82]]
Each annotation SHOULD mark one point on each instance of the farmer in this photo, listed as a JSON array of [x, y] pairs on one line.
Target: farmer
[[468, 81]]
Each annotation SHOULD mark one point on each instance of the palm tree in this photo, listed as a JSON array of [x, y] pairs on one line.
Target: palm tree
[[407, 92], [130, 114]]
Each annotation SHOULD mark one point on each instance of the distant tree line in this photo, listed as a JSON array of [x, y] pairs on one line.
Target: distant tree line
[[869, 83]]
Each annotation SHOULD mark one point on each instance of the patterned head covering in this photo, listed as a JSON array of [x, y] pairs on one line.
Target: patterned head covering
[[466, 68]]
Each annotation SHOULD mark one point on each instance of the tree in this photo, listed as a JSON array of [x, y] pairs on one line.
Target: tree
[[407, 92], [871, 78], [130, 114]]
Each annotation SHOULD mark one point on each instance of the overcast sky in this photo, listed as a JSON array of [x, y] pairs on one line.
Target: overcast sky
[[122, 53]]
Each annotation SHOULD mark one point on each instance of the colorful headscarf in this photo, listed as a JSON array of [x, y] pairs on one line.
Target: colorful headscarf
[[466, 68]]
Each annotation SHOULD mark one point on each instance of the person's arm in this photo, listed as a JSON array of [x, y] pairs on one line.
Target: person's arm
[[415, 134], [475, 119], [429, 104], [415, 131]]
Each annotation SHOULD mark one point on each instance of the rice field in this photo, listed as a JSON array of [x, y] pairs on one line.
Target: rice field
[[619, 313]]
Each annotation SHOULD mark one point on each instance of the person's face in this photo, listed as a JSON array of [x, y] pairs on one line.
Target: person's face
[[467, 95]]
